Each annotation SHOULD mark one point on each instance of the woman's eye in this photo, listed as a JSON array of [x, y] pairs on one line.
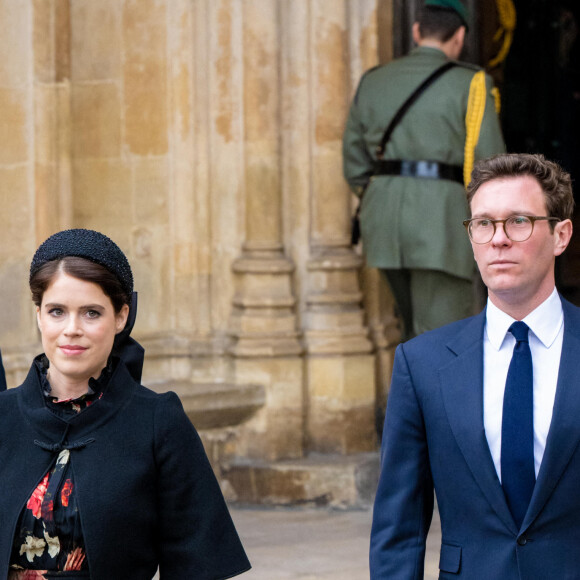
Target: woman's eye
[[55, 312], [93, 314]]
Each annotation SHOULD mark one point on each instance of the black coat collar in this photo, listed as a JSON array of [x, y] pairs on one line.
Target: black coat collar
[[51, 428]]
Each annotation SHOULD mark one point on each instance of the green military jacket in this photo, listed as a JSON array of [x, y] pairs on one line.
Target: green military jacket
[[409, 222]]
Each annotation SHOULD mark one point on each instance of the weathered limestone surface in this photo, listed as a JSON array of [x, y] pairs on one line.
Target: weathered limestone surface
[[17, 179], [339, 481], [204, 136]]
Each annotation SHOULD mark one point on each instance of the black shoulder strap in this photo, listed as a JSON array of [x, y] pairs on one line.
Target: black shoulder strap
[[410, 100]]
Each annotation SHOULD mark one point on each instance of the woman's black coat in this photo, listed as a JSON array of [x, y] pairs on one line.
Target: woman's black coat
[[146, 492], [2, 375]]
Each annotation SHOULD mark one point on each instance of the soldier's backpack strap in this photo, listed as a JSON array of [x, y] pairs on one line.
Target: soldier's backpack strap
[[380, 151], [473, 120]]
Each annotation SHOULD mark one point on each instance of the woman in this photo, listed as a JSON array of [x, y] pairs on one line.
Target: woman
[[2, 375], [102, 478]]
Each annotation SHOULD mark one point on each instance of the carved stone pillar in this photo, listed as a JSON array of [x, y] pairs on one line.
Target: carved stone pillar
[[385, 334], [263, 322], [17, 189], [341, 385], [370, 23], [52, 117]]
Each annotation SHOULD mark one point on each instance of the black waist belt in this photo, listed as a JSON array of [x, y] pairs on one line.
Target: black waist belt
[[420, 169]]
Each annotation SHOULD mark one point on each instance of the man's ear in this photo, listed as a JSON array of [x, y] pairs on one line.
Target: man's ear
[[416, 30], [456, 43], [562, 235]]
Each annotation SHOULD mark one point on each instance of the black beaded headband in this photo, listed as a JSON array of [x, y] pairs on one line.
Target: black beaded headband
[[87, 244]]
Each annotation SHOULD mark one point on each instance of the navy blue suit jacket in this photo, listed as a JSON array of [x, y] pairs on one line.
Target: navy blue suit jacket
[[434, 439]]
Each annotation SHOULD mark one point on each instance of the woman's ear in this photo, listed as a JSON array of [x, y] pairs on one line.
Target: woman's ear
[[121, 318]]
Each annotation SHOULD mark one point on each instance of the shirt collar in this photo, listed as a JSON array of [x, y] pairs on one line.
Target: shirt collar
[[431, 50], [545, 321]]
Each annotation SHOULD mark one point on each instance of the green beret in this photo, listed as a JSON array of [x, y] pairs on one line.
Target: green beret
[[455, 5]]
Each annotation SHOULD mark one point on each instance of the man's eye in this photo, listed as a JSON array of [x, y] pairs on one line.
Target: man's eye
[[483, 223], [519, 220]]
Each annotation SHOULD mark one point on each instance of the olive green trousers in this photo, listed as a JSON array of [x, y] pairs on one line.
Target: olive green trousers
[[428, 299]]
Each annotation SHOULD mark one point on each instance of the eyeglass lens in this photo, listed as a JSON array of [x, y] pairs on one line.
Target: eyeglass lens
[[516, 228]]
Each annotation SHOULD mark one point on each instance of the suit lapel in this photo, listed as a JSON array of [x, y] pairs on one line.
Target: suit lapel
[[462, 391], [564, 433]]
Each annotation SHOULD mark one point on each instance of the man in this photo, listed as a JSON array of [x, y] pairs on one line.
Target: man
[[411, 214], [485, 411]]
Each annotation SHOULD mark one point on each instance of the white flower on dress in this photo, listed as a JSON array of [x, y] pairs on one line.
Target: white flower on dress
[[53, 544], [32, 547]]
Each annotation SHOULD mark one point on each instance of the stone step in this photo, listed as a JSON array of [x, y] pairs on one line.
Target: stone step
[[215, 405], [338, 481]]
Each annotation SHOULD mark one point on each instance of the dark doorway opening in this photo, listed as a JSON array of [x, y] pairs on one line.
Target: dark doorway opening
[[540, 88], [539, 83]]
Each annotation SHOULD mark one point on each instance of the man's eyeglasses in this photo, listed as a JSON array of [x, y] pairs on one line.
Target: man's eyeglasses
[[518, 228]]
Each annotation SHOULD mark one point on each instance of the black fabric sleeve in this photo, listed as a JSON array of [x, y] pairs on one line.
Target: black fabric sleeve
[[197, 537]]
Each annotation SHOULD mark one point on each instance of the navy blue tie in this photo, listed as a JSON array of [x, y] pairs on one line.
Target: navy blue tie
[[518, 476]]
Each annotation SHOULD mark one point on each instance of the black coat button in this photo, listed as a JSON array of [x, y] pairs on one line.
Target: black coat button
[[522, 541]]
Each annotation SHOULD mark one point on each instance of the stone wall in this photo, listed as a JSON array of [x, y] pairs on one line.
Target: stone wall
[[204, 137]]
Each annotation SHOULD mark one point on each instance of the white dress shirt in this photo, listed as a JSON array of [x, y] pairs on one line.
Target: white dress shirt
[[546, 325]]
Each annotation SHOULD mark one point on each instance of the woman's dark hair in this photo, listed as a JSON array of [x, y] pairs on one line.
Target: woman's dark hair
[[82, 269]]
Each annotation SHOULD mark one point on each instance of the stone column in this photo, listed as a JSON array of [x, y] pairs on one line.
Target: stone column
[[384, 332], [263, 324], [340, 366], [52, 117], [370, 25], [167, 209], [18, 189]]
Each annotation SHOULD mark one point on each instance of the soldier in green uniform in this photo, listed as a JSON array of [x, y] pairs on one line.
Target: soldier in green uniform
[[414, 203]]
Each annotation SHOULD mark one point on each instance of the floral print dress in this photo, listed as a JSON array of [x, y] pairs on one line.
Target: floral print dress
[[49, 541]]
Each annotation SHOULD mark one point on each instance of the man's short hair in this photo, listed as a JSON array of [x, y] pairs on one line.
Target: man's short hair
[[554, 181], [438, 23]]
